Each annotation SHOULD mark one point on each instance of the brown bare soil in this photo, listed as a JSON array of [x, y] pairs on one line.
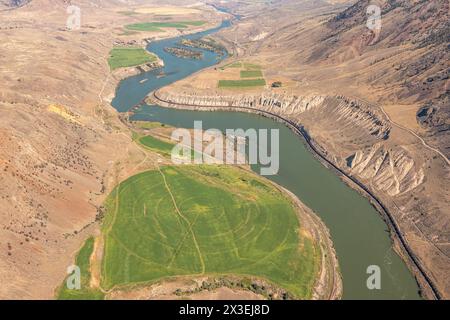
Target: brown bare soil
[[166, 291]]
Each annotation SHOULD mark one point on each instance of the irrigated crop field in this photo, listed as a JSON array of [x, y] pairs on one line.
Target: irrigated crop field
[[85, 292], [242, 83], [159, 26], [129, 57], [205, 220], [157, 145], [250, 75]]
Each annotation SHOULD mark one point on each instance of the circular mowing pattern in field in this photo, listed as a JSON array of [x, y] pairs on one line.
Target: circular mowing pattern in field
[[195, 220]]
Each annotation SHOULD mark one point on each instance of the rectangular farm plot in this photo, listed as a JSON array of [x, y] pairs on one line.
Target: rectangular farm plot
[[157, 145], [251, 74], [242, 83], [129, 57], [241, 75]]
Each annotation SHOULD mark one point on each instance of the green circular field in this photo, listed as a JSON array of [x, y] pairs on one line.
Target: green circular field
[[205, 220]]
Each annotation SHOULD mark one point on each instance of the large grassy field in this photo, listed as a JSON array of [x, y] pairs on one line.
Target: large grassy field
[[82, 261], [157, 145], [251, 74], [252, 66], [158, 26], [204, 220], [242, 83], [129, 57]]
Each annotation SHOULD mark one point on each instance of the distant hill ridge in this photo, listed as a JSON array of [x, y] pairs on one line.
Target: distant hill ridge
[[13, 3]]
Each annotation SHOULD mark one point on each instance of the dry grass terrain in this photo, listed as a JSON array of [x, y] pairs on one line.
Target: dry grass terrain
[[62, 146]]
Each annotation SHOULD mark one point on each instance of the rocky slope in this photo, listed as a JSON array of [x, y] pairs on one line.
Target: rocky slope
[[424, 27]]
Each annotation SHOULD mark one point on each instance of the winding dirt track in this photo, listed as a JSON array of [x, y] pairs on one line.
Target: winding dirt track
[[424, 143], [299, 130]]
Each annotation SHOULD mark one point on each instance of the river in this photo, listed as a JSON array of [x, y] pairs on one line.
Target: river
[[360, 236]]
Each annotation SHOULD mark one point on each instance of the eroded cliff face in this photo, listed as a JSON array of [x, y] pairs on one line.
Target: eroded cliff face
[[360, 140], [344, 109], [352, 118], [391, 171]]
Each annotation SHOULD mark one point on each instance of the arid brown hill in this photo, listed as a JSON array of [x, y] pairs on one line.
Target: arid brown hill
[[420, 26]]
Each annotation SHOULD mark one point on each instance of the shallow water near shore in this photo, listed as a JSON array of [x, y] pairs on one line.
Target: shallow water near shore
[[359, 234]]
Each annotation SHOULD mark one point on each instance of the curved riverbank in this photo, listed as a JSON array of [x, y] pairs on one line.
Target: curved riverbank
[[283, 249], [329, 284], [412, 261]]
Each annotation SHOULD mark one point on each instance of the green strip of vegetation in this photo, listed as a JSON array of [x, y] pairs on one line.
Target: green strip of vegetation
[[83, 262], [251, 74], [252, 66], [149, 125], [205, 220], [242, 83], [160, 146], [129, 57], [157, 145], [128, 13], [193, 23], [157, 26], [232, 65], [128, 33]]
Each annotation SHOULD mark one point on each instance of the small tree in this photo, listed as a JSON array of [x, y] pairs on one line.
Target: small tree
[[277, 84]]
